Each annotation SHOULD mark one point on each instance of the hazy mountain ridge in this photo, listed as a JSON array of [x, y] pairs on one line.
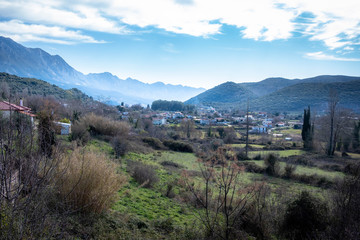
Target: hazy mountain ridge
[[34, 62], [281, 94]]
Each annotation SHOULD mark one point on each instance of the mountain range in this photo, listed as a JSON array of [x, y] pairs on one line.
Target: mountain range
[[271, 94], [36, 63], [281, 94]]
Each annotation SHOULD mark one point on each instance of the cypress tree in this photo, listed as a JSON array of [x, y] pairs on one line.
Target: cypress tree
[[356, 134], [307, 130]]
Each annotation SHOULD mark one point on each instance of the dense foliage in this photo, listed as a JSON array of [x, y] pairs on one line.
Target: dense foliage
[[164, 105]]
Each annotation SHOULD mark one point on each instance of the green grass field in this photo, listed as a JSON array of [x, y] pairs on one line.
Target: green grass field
[[151, 205], [303, 170], [281, 153], [243, 146]]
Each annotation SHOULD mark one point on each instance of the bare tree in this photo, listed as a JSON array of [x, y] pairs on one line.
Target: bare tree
[[4, 90], [332, 105], [24, 178], [220, 194], [247, 129]]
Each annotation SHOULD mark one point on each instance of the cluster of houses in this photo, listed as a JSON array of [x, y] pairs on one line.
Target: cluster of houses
[[259, 122], [205, 116]]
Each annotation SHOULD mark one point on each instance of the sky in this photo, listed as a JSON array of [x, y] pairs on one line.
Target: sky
[[198, 43]]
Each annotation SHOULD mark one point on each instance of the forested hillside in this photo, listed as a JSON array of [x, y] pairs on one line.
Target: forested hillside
[[228, 92], [279, 94], [32, 86]]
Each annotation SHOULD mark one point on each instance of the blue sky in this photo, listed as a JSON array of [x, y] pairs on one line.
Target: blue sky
[[200, 43]]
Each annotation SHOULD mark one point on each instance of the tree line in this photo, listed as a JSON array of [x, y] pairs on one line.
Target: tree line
[[164, 105]]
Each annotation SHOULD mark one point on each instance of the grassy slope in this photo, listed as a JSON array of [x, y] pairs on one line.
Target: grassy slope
[[149, 205]]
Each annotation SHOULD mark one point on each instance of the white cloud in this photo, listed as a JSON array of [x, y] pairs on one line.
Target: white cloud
[[347, 48], [21, 32], [323, 56], [72, 14], [335, 23]]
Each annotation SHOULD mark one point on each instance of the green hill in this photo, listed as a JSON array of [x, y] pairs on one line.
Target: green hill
[[268, 85], [226, 93], [299, 96], [32, 86], [280, 94], [271, 85]]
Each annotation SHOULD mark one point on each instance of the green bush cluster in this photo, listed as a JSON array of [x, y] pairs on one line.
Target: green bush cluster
[[178, 146]]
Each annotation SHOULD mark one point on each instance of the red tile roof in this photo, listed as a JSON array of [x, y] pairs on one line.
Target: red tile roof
[[6, 106]]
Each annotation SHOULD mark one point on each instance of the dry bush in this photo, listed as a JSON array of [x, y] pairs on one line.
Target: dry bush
[[155, 143], [79, 131], [144, 174], [99, 125], [87, 181], [120, 146]]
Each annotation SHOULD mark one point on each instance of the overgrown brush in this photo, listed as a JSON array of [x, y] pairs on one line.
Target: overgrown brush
[[87, 181], [144, 174], [98, 125], [178, 146], [155, 143]]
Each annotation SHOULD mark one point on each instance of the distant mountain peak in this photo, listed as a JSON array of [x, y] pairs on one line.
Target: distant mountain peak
[[35, 62]]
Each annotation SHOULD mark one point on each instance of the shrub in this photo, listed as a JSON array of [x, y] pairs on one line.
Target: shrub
[[98, 125], [289, 171], [346, 199], [257, 157], [46, 132], [253, 167], [87, 181], [178, 146], [170, 164], [79, 131], [65, 120], [241, 155], [305, 217], [164, 225], [216, 143], [144, 174], [155, 143], [120, 146], [272, 165]]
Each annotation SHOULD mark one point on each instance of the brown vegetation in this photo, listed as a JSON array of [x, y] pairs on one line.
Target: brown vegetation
[[87, 181]]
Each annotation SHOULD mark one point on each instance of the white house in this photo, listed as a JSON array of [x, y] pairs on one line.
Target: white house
[[280, 124], [259, 129], [65, 128], [159, 121]]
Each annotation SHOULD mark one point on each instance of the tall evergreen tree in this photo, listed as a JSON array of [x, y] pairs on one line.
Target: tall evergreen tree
[[356, 135], [307, 130]]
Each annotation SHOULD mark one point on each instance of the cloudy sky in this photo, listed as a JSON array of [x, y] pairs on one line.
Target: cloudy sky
[[200, 43]]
